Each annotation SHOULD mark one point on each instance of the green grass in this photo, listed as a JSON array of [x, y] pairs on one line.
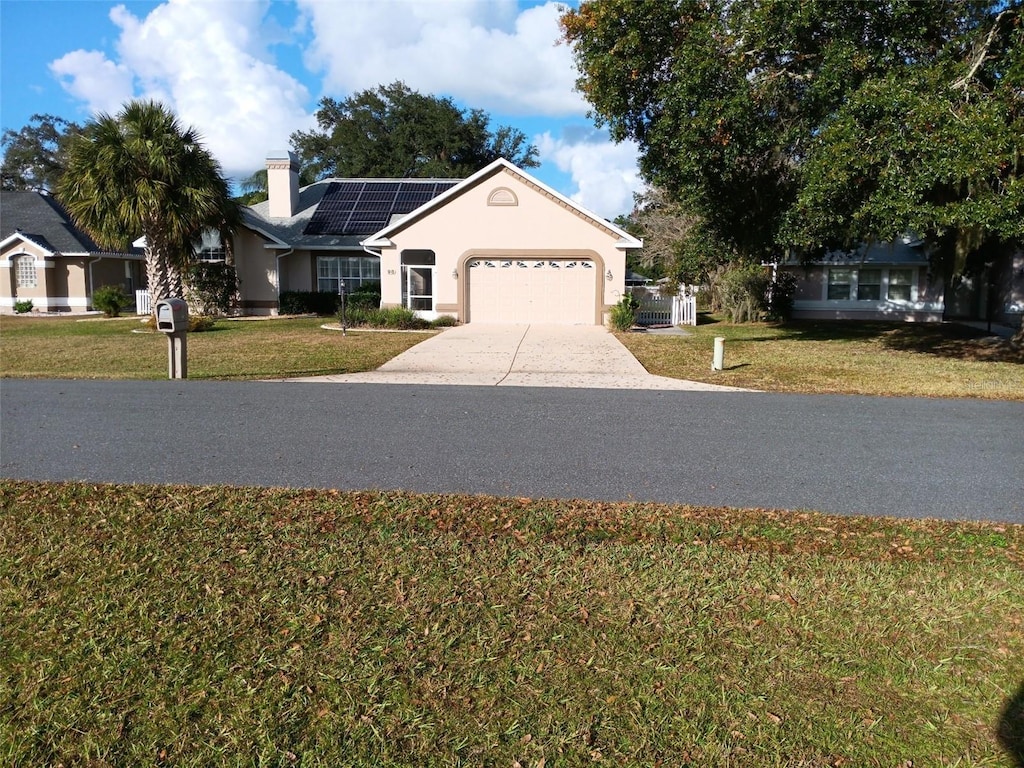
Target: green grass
[[905, 359], [250, 349], [212, 626]]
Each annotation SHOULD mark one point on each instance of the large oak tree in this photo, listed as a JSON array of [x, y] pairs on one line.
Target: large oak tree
[[35, 155], [816, 124], [395, 132]]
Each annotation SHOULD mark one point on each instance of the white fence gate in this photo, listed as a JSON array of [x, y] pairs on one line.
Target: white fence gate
[[668, 310], [142, 306]]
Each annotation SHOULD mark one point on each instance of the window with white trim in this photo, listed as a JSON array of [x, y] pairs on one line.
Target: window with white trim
[[25, 271], [869, 284], [840, 282], [209, 246], [354, 270], [900, 284], [872, 284]]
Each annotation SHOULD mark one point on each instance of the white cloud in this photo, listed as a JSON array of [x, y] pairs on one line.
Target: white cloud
[[213, 63], [90, 77], [485, 53], [605, 175], [208, 62]]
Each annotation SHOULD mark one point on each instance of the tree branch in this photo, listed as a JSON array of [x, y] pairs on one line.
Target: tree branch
[[979, 59]]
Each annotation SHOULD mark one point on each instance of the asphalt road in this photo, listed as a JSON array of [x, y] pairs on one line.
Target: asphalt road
[[956, 459]]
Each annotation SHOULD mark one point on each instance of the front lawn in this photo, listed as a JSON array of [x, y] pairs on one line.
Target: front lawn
[[234, 349], [923, 360], [178, 626]]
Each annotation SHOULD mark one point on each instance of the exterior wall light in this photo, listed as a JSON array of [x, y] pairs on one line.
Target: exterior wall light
[[455, 274], [608, 275]]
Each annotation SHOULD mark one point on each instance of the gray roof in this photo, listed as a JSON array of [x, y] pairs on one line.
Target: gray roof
[[291, 232], [41, 219], [904, 251]]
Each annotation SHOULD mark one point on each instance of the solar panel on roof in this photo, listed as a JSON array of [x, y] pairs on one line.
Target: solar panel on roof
[[363, 207]]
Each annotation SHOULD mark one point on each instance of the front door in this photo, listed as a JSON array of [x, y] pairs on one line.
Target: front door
[[419, 288]]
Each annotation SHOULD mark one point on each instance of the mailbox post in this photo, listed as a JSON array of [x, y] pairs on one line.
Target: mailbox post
[[172, 319], [341, 294]]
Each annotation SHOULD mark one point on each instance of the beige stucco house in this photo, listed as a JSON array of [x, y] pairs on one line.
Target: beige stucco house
[[46, 259], [497, 247]]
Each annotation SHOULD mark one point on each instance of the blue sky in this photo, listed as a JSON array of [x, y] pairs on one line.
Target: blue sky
[[247, 73]]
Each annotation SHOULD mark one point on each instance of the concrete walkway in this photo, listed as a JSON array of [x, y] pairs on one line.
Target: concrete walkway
[[577, 356]]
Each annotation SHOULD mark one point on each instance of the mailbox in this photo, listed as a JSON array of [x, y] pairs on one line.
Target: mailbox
[[172, 316]]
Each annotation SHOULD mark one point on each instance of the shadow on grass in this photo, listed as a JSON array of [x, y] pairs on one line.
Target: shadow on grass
[[947, 340], [1011, 727], [956, 341]]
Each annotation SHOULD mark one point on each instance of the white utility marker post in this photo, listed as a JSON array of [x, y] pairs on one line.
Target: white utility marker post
[[719, 359]]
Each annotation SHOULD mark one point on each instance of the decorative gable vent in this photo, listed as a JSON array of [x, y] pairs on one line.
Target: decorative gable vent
[[502, 196]]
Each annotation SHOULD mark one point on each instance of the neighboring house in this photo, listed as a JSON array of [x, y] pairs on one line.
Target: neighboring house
[[45, 258], [895, 281], [497, 247]]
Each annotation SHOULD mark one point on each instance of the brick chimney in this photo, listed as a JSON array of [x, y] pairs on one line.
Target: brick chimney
[[282, 183]]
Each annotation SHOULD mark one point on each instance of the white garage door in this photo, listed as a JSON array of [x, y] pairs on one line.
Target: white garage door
[[557, 291]]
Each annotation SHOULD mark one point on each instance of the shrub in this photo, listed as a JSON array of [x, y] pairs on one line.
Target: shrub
[[200, 323], [308, 303], [395, 318], [111, 299], [782, 292], [623, 314], [363, 299], [742, 292], [196, 323], [21, 307], [444, 321], [211, 287]]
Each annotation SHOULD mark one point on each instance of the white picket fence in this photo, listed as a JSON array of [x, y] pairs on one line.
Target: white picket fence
[[142, 306], [668, 310]]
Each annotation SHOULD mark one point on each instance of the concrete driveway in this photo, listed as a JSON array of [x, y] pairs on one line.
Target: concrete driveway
[[580, 356]]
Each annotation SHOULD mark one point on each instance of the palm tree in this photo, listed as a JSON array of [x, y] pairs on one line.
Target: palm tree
[[142, 173]]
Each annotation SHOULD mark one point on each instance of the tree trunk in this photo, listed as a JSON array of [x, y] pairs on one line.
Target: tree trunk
[[164, 276]]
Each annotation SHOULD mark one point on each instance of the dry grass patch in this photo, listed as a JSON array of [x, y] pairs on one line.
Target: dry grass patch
[[278, 348], [845, 358], [194, 626]]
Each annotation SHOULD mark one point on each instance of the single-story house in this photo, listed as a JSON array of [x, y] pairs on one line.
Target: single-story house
[[896, 281], [45, 258], [497, 247]]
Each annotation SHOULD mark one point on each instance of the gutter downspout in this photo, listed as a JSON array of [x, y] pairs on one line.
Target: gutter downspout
[[277, 266], [91, 288], [366, 249]]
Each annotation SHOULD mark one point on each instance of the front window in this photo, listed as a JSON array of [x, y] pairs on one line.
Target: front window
[[899, 284], [869, 285], [877, 284], [25, 271], [209, 246], [839, 282], [354, 270]]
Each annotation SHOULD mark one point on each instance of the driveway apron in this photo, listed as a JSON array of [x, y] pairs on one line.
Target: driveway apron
[[578, 356]]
